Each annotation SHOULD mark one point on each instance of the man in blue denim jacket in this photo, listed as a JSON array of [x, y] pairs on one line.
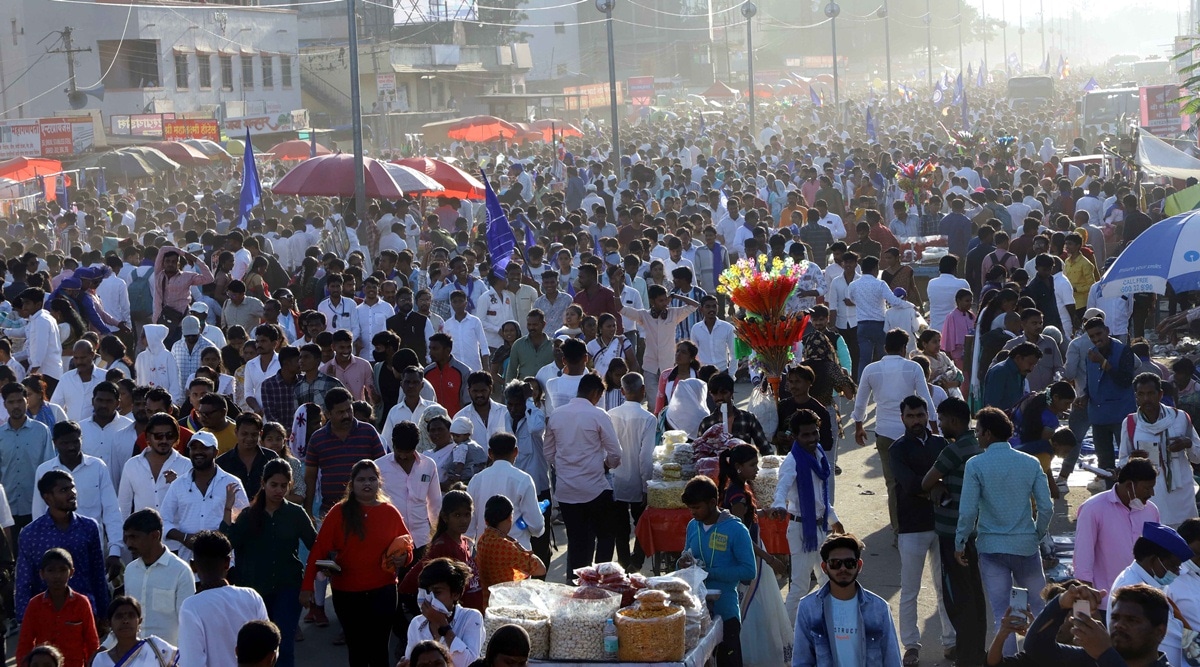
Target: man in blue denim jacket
[[843, 624]]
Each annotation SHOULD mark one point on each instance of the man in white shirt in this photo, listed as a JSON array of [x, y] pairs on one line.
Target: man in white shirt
[[372, 313], [787, 503], [941, 291], [411, 484], [889, 381], [113, 292], [470, 341], [868, 294], [502, 478], [636, 428], [265, 365], [409, 408], [494, 308], [156, 578], [107, 435], [714, 338], [339, 312], [209, 621], [582, 445], [96, 497], [75, 396], [147, 476], [486, 415], [196, 501], [831, 221]]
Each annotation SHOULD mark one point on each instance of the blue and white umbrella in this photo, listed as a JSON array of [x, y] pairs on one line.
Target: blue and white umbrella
[[1167, 252]]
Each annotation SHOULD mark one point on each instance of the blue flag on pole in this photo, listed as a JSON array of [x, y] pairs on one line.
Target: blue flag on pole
[[958, 88], [979, 81], [251, 187], [870, 126], [813, 97], [500, 239], [1091, 85]]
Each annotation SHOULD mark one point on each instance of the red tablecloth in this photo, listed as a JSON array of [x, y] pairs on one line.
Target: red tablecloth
[[663, 530]]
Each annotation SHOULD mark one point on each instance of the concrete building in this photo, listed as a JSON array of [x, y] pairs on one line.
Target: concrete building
[[180, 57]]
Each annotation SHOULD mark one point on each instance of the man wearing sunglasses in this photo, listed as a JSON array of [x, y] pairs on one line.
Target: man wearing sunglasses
[[834, 622]]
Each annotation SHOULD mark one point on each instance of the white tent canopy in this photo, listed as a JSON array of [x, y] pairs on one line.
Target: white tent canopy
[[1159, 157]]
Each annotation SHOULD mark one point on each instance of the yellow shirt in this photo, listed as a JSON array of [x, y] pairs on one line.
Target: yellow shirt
[[1082, 274]]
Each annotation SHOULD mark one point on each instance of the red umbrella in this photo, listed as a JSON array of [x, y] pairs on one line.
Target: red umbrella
[[559, 127], [188, 156], [457, 183], [333, 176], [483, 128], [296, 149]]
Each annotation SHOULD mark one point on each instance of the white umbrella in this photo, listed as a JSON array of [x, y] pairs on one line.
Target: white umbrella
[[412, 181]]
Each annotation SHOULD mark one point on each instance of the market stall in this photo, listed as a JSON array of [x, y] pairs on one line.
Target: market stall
[[660, 532], [610, 618]]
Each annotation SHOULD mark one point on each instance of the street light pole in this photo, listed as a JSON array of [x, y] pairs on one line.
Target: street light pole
[[1042, 18], [748, 11], [360, 180], [929, 41], [887, 47], [831, 11], [1004, 38], [960, 41], [987, 29], [606, 7]]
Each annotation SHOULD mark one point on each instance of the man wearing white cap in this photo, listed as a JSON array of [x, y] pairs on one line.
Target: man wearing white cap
[[188, 349], [200, 311], [197, 501]]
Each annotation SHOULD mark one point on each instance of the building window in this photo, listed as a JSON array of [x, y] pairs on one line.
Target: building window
[[131, 64], [205, 68], [268, 71], [560, 28], [181, 70], [226, 72], [247, 71], [285, 71]]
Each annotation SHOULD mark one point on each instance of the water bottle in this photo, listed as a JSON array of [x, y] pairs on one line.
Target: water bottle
[[542, 506], [610, 639]]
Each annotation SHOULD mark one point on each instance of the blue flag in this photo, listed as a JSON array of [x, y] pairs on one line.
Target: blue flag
[[1091, 85], [500, 239], [945, 79], [958, 88], [1062, 67], [101, 184], [813, 97], [251, 187], [870, 126], [970, 72], [979, 81]]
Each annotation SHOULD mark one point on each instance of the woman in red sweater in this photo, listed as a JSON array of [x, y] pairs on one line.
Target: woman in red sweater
[[356, 535]]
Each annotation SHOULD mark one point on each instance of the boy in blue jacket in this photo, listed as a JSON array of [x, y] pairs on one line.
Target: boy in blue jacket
[[721, 544]]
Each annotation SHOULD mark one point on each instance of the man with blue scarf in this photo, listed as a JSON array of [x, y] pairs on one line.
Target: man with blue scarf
[[802, 496]]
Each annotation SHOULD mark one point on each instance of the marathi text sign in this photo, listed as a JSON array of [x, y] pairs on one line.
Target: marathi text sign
[[191, 128], [267, 123], [591, 96], [641, 91], [45, 137], [1160, 111]]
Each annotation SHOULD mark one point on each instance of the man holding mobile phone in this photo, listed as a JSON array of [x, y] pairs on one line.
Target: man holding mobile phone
[[1139, 616]]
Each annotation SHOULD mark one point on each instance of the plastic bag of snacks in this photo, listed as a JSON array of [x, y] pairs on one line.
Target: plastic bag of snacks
[[577, 623], [650, 630], [665, 494], [683, 455], [764, 486], [535, 622], [770, 461], [710, 467], [671, 472]]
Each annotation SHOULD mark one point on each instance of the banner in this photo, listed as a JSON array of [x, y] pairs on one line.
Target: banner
[[146, 125], [177, 130], [641, 91], [1159, 114], [385, 84], [46, 137], [267, 123], [591, 96]]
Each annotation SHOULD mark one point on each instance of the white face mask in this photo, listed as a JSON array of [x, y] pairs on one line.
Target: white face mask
[[1136, 505], [423, 595]]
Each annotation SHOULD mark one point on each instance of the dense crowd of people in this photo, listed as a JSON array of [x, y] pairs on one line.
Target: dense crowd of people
[[239, 423]]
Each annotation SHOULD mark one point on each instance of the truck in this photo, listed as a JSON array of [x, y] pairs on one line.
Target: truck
[[1108, 111], [1030, 90]]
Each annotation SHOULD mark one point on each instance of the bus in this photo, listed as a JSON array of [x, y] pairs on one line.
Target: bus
[[1109, 111], [1030, 89]]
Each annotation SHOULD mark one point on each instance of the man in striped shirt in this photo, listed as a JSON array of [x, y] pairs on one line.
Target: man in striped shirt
[[335, 448]]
